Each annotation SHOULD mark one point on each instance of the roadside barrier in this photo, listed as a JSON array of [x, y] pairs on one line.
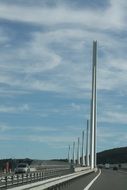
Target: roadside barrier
[[56, 183], [12, 180]]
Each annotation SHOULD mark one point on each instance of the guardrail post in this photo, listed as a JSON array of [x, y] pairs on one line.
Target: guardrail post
[[6, 181], [22, 178], [17, 179], [27, 177], [30, 176], [34, 176], [41, 175], [68, 184], [12, 178]]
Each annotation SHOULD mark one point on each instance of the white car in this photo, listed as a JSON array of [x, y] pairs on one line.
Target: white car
[[22, 168], [107, 166]]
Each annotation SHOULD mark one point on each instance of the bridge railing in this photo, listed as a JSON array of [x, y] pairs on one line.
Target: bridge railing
[[56, 183], [11, 180]]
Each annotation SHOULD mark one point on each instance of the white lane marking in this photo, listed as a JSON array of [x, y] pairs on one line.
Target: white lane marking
[[90, 184]]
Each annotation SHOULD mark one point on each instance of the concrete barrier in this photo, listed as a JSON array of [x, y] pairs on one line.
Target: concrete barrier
[[78, 169]]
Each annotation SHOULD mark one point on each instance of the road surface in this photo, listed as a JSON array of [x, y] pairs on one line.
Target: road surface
[[107, 180], [111, 180]]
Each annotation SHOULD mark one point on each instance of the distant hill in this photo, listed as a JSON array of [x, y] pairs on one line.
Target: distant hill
[[116, 156]]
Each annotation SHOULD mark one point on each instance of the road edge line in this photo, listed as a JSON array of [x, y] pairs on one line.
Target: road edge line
[[91, 183], [125, 172]]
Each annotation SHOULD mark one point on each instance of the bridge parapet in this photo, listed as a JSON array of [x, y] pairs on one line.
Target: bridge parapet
[[54, 182]]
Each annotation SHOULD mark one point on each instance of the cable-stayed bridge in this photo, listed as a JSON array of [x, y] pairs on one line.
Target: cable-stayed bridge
[[81, 172]]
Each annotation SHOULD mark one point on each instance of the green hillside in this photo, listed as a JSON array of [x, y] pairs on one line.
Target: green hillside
[[116, 156]]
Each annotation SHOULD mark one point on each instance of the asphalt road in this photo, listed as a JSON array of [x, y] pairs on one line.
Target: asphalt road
[[108, 180], [80, 183], [111, 180]]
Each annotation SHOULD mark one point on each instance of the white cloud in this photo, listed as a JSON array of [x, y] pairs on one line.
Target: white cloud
[[76, 107], [14, 109], [113, 117], [5, 138], [45, 129], [50, 138], [4, 127], [110, 137], [63, 14], [45, 58], [40, 138], [24, 107], [42, 86], [38, 56], [4, 39]]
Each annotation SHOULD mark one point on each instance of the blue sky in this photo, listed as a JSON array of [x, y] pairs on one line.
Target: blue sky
[[45, 74]]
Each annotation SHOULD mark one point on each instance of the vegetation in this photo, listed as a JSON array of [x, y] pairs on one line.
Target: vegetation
[[12, 163], [113, 156]]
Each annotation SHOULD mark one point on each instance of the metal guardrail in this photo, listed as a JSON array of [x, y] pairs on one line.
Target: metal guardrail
[[13, 180], [56, 183], [62, 181]]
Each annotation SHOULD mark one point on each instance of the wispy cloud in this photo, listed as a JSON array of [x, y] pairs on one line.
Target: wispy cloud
[[114, 117], [10, 109], [50, 139], [47, 139], [63, 14], [44, 57], [110, 137], [45, 69], [4, 39], [4, 127]]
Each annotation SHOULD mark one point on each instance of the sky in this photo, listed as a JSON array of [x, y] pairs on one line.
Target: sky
[[45, 75]]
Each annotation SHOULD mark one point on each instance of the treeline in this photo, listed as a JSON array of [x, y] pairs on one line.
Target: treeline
[[61, 160], [10, 164]]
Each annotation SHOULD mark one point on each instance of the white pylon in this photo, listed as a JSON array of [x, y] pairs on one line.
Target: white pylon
[[93, 110], [87, 144], [95, 104], [69, 160], [73, 153], [83, 159], [78, 152]]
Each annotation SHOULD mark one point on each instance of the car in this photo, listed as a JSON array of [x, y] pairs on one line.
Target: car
[[107, 166], [100, 166], [115, 168], [22, 168]]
